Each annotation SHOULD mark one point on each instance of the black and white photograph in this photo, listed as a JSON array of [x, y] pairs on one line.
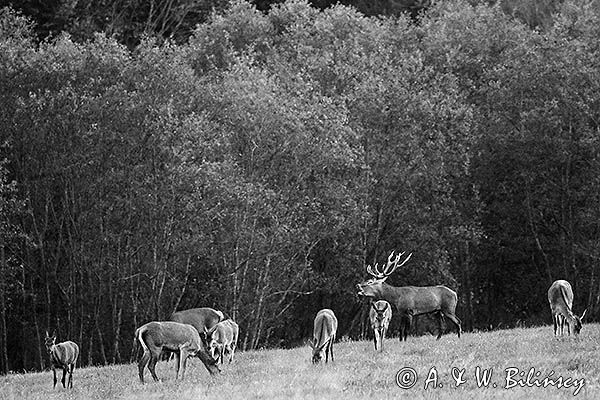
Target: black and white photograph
[[299, 199]]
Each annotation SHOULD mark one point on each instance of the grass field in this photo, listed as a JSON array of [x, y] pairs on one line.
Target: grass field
[[358, 372]]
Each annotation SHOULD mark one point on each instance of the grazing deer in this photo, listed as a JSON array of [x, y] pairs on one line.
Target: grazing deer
[[325, 328], [380, 316], [560, 297], [222, 339], [181, 339], [64, 356], [203, 318], [410, 300]]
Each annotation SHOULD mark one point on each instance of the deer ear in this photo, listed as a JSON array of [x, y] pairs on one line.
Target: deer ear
[[54, 334], [311, 344], [583, 315], [47, 336], [373, 306]]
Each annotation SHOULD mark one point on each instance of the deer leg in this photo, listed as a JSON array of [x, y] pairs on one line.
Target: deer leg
[[408, 323], [456, 322], [63, 377], [177, 356], [54, 371], [228, 353], [331, 346], [71, 367], [440, 326], [142, 364], [375, 338], [402, 322], [184, 366], [152, 365], [181, 364]]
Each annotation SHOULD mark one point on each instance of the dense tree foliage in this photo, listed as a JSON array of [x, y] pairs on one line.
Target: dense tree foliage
[[257, 163]]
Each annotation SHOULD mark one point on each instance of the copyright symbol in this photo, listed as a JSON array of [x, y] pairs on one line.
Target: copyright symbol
[[406, 378]]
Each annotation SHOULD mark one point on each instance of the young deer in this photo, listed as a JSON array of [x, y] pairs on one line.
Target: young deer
[[380, 316], [64, 356], [325, 328], [222, 339]]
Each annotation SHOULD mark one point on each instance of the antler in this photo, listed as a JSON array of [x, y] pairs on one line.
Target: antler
[[390, 266], [375, 271]]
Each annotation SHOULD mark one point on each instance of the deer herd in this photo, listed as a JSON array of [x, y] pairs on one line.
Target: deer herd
[[212, 336]]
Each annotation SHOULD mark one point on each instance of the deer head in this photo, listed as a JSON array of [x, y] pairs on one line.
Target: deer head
[[370, 287], [50, 341]]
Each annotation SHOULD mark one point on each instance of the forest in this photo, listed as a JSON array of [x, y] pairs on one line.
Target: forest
[[255, 157]]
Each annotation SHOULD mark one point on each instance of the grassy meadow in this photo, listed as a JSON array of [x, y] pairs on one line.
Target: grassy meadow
[[357, 373]]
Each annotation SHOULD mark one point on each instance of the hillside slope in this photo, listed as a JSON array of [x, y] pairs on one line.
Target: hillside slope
[[358, 372]]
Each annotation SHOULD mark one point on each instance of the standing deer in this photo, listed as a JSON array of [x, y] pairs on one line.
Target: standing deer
[[410, 300], [64, 356], [203, 318], [380, 316], [222, 339], [325, 328], [182, 339], [560, 297]]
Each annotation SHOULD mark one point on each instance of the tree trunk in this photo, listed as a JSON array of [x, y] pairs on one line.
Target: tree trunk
[[467, 290], [4, 367]]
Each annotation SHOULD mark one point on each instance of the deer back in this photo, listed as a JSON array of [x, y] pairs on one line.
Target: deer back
[[199, 318], [223, 333], [421, 299], [560, 296], [325, 328], [235, 329], [169, 335], [65, 353]]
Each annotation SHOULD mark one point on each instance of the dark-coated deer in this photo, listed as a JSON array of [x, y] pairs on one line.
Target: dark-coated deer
[[410, 300]]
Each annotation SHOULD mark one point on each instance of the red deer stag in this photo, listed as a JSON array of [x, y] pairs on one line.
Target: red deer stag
[[560, 297], [410, 300], [380, 316], [325, 328], [182, 339], [64, 356]]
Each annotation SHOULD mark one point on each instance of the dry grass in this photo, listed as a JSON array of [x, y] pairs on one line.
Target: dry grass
[[357, 372]]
